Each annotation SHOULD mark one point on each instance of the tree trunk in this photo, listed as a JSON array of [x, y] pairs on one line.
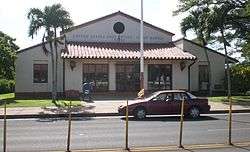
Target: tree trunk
[[56, 64], [227, 64], [209, 69], [53, 91]]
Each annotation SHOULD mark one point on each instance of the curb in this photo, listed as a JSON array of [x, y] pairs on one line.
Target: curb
[[43, 116], [97, 114]]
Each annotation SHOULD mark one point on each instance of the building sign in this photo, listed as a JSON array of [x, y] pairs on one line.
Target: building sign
[[116, 38]]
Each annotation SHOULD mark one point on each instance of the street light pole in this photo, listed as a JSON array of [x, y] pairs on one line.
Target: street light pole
[[141, 50]]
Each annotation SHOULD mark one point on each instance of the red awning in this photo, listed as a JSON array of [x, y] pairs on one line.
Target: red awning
[[125, 51]]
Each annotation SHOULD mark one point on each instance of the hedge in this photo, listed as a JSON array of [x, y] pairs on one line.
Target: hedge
[[6, 86]]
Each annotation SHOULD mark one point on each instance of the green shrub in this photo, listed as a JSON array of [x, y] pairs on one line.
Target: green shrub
[[6, 86], [240, 78]]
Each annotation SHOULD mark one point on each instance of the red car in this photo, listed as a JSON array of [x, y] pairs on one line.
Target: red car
[[166, 103]]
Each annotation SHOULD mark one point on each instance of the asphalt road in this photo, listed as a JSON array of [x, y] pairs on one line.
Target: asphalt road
[[88, 133]]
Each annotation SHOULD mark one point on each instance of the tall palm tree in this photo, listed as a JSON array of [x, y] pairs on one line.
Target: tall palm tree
[[196, 22], [217, 21], [50, 19]]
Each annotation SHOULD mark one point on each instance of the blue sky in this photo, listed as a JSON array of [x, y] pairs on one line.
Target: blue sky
[[14, 22]]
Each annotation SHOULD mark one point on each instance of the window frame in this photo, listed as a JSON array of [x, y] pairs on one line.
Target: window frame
[[40, 72], [86, 70], [159, 67]]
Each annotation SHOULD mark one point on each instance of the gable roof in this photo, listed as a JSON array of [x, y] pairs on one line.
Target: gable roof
[[233, 60], [114, 14], [31, 47]]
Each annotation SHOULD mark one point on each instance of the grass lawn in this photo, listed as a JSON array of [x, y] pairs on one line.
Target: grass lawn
[[12, 102], [235, 99]]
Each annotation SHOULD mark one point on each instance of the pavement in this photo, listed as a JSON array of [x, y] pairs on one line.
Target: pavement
[[100, 108], [106, 133]]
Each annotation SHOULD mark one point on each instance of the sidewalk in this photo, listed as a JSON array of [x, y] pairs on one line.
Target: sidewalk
[[103, 108]]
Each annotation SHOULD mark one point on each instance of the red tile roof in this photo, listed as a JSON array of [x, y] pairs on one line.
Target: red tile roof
[[125, 51]]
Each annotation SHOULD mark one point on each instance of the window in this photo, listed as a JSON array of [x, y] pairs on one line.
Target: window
[[179, 96], [40, 73], [169, 97], [159, 77], [203, 77], [127, 77], [97, 74], [161, 97]]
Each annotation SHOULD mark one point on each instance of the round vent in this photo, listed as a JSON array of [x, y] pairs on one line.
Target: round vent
[[119, 27]]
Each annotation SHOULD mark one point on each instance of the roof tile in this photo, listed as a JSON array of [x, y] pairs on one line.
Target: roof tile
[[125, 51]]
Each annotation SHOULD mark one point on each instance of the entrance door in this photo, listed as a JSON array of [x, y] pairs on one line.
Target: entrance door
[[127, 77]]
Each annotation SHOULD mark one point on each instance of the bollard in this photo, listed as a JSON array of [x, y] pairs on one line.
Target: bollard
[[126, 146], [69, 128], [230, 122], [181, 123], [4, 128]]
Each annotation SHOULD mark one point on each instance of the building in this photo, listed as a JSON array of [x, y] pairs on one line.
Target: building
[[106, 52]]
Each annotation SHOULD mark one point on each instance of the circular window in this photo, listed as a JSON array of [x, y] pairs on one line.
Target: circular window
[[119, 27]]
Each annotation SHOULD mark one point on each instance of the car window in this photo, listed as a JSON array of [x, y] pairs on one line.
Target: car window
[[184, 95], [169, 97], [160, 97], [191, 96], [177, 97]]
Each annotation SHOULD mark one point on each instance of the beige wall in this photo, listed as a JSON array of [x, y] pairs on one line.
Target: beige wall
[[73, 78], [216, 60], [102, 31], [112, 76], [24, 71]]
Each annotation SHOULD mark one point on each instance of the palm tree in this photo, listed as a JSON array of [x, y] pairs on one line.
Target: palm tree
[[196, 22], [217, 21], [50, 19]]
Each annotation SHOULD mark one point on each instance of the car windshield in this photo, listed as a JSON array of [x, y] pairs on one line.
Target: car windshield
[[191, 96], [151, 95]]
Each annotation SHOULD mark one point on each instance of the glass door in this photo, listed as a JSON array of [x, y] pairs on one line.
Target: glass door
[[159, 77], [127, 77]]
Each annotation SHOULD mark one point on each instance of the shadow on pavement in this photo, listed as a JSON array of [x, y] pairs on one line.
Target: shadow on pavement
[[8, 101], [64, 119], [65, 110], [189, 150], [243, 148], [171, 118], [237, 121]]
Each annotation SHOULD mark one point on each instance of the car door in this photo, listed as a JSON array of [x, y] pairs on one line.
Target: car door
[[177, 99], [157, 104]]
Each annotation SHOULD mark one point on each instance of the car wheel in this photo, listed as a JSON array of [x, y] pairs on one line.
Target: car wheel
[[194, 112], [140, 113]]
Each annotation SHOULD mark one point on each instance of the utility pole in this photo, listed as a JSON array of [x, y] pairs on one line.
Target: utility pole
[[141, 51], [4, 128]]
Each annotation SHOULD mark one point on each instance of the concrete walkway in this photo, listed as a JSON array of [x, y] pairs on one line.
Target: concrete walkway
[[103, 107]]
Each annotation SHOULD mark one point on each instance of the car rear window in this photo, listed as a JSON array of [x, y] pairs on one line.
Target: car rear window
[[191, 96]]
